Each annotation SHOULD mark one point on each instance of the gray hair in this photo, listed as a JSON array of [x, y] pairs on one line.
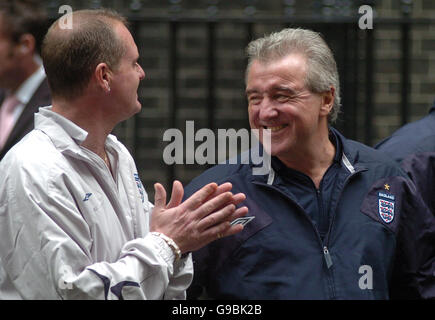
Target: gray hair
[[322, 71]]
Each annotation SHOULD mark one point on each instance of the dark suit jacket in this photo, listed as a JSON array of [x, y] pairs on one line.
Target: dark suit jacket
[[25, 123]]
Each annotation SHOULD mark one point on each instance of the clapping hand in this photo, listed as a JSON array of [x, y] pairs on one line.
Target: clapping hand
[[203, 217]]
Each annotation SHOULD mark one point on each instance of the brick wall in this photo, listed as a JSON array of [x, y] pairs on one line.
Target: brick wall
[[387, 76]]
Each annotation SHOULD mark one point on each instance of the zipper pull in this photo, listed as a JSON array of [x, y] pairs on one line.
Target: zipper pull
[[327, 256]]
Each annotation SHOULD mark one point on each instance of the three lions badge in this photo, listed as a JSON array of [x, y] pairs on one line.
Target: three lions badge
[[386, 206]]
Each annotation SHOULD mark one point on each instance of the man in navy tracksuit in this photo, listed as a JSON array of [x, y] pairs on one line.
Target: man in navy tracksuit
[[413, 147], [334, 219]]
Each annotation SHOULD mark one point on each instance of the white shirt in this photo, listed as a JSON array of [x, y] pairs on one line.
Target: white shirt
[[71, 230]]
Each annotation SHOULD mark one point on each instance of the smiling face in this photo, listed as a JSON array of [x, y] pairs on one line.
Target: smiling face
[[279, 100]]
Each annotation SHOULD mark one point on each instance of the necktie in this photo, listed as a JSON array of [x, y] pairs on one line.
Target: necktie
[[7, 118]]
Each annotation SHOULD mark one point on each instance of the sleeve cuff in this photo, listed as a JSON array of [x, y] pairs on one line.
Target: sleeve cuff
[[164, 249]]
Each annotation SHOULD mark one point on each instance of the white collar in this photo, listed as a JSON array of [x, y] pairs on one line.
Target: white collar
[[65, 131], [26, 90]]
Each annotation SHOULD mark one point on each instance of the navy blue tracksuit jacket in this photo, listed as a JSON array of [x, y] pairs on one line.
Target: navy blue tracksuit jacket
[[365, 234], [413, 147]]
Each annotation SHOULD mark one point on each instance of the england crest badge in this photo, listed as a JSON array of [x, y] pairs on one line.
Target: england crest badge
[[386, 206]]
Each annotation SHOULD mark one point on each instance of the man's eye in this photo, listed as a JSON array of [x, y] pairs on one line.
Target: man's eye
[[281, 98], [254, 100]]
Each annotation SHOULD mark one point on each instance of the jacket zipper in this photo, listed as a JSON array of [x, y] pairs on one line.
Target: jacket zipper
[[101, 166], [299, 208], [326, 253], [323, 215], [346, 181], [324, 244], [95, 161], [327, 256]]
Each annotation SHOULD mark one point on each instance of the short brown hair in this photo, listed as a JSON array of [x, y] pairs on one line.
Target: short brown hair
[[71, 55], [21, 17]]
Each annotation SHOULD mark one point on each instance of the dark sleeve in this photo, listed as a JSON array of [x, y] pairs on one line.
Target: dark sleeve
[[414, 266], [420, 167], [200, 265]]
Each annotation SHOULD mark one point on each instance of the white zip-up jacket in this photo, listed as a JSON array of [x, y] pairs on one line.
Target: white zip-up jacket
[[71, 230]]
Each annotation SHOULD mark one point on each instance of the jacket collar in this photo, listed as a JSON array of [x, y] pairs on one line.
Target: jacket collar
[[65, 134], [348, 155], [344, 153]]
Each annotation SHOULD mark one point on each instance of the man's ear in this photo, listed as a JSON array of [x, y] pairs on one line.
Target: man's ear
[[328, 98], [103, 76], [26, 44]]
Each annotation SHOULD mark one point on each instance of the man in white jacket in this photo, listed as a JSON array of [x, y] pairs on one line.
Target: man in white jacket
[[75, 220]]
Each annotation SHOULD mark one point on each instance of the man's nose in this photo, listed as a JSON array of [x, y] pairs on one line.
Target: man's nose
[[141, 73], [267, 109]]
